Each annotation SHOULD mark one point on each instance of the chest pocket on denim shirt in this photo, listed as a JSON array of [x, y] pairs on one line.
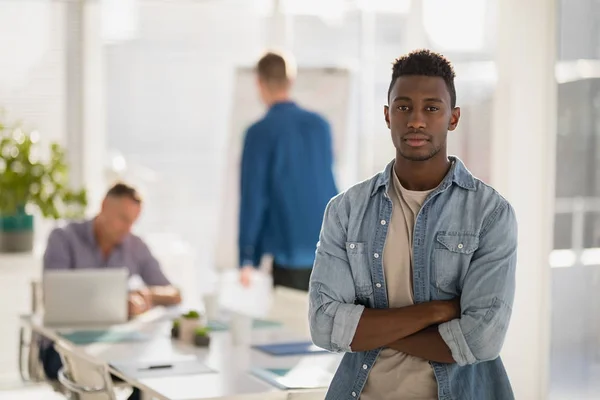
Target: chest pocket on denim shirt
[[361, 271], [451, 258]]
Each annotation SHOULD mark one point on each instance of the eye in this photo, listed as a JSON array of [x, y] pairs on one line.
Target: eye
[[402, 108], [432, 108]]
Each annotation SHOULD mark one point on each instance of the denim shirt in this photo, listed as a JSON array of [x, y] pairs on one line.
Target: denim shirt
[[464, 244]]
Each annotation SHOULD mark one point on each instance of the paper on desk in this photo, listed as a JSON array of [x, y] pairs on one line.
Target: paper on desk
[[290, 349], [254, 301], [140, 369], [295, 378]]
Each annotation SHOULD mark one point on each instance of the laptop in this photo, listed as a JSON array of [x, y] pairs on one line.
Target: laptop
[[85, 296]]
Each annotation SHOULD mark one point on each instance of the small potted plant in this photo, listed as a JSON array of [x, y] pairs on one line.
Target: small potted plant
[[201, 338], [175, 329], [187, 326]]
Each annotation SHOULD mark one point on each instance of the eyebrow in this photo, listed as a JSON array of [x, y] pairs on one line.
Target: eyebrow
[[430, 99]]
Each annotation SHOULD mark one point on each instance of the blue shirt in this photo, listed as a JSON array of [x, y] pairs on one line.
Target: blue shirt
[[464, 244], [75, 247], [286, 182]]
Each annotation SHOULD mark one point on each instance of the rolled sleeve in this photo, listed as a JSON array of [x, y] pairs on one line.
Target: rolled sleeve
[[333, 316], [345, 323], [488, 293], [452, 334]]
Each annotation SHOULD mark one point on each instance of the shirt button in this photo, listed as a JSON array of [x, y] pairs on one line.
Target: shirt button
[[383, 222], [352, 245], [460, 246], [365, 366], [376, 255], [353, 394], [378, 284]]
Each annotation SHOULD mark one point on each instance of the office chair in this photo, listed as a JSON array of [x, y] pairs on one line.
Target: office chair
[[30, 367], [84, 378]]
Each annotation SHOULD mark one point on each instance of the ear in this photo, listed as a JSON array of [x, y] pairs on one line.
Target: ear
[[386, 115], [104, 204], [454, 119]]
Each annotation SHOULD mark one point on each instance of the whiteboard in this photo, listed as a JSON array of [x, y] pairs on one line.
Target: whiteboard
[[324, 90]]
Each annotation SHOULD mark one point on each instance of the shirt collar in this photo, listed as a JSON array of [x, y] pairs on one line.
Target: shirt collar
[[91, 237], [281, 104], [458, 174]]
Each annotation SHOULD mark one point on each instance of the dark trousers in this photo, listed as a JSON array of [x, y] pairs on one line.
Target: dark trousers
[[294, 278], [52, 364]]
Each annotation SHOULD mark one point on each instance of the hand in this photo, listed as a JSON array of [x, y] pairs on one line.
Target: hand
[[246, 275], [138, 303], [447, 310], [148, 296]]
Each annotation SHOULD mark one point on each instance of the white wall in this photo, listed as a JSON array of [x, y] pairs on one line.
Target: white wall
[[32, 71]]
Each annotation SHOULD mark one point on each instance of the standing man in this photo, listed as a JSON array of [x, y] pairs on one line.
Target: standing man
[[286, 180], [414, 275], [103, 242]]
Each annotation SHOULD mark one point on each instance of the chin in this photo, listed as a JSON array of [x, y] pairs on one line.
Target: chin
[[416, 155]]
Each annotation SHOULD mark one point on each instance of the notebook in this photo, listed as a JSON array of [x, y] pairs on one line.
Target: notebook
[[290, 349], [139, 369]]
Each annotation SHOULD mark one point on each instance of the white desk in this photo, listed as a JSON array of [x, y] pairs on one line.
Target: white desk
[[231, 380]]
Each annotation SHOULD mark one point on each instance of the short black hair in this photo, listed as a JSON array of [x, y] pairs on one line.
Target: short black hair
[[425, 63], [121, 190]]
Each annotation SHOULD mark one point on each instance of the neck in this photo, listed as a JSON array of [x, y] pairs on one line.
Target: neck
[[104, 244], [278, 97], [422, 175]]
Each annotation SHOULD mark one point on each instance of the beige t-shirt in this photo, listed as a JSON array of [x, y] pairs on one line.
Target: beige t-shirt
[[396, 375]]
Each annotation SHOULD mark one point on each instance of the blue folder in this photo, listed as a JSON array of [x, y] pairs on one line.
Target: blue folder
[[217, 326], [290, 349]]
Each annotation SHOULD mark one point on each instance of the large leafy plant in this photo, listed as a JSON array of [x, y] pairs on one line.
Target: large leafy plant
[[28, 177]]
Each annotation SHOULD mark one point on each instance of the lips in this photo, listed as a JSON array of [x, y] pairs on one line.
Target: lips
[[415, 140]]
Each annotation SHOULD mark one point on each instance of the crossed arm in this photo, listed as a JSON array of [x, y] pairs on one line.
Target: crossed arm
[[436, 331]]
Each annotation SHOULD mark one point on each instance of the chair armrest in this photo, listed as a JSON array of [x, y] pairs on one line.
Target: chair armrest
[[74, 387]]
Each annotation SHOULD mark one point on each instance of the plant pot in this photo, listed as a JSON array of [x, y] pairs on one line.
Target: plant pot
[[201, 340], [16, 232], [187, 329], [175, 332]]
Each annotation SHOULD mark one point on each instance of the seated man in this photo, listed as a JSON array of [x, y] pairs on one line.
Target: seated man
[[106, 241]]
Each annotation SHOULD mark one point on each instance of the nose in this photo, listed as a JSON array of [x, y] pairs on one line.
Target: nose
[[416, 120]]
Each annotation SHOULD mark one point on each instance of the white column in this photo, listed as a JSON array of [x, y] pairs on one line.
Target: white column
[[366, 101], [523, 158], [280, 33], [94, 100], [415, 35], [74, 89], [85, 107]]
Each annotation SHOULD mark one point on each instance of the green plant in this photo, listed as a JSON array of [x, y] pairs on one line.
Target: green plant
[[191, 315], [201, 331], [176, 323], [28, 178]]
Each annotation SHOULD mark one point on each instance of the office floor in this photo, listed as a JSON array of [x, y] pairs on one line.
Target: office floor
[[28, 392]]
